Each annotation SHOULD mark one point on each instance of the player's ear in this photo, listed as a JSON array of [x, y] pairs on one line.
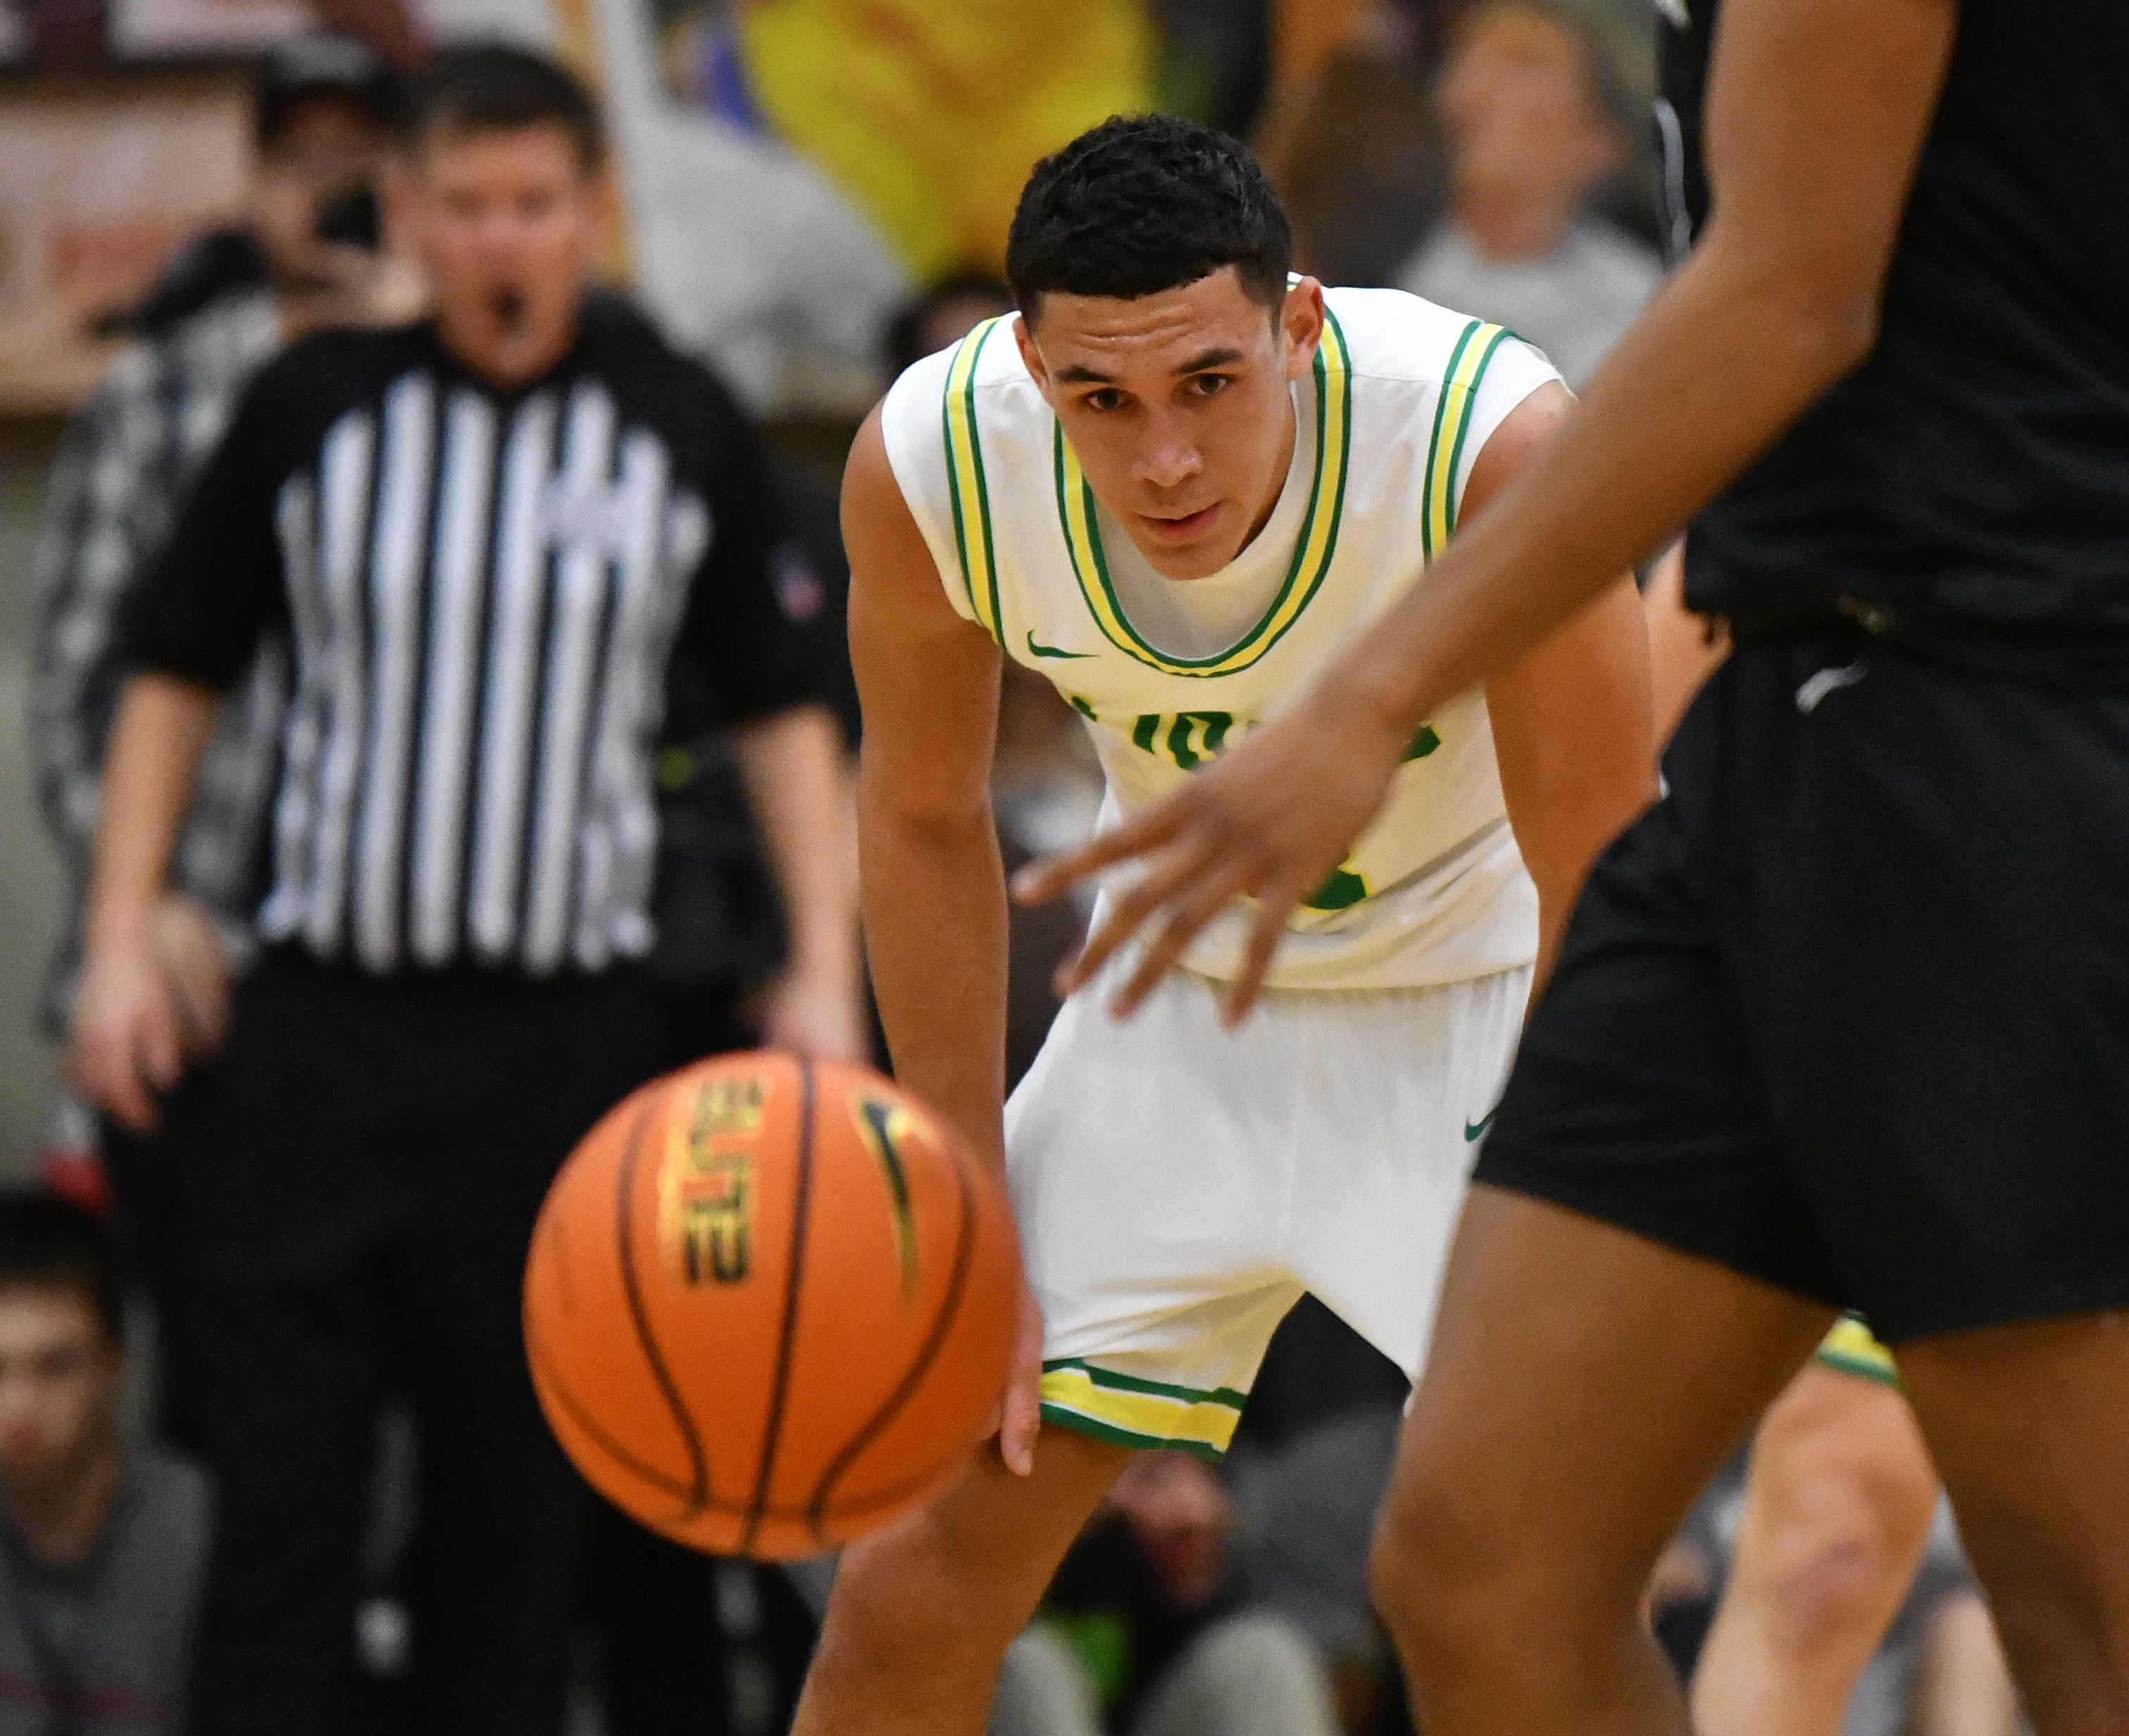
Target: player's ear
[[1300, 323]]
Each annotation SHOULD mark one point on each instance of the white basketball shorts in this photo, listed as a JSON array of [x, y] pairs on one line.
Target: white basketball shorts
[[1179, 1185]]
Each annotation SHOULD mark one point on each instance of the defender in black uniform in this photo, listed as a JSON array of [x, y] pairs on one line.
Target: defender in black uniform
[[1844, 1022]]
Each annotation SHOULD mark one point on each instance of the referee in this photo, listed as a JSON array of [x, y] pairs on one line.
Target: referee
[[485, 536]]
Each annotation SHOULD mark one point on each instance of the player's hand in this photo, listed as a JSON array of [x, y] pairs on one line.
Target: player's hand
[[818, 1013], [182, 935], [1020, 1415], [1269, 820], [128, 1037]]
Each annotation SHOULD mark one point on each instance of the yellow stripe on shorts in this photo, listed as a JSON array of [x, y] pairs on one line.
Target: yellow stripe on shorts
[[1852, 1349], [1135, 1413]]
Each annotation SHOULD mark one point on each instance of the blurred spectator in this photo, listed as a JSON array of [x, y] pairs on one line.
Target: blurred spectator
[[104, 1543], [944, 313], [1533, 121], [1144, 1633], [321, 110], [490, 533]]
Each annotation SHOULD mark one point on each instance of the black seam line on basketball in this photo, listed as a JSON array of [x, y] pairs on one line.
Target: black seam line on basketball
[[543, 1377], [699, 1493], [950, 1307], [779, 1388]]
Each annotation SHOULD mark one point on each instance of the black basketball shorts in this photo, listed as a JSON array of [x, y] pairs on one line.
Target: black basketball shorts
[[1848, 1011]]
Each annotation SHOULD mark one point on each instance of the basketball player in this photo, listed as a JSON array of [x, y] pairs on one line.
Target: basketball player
[[1842, 1021], [1840, 1492], [1177, 484]]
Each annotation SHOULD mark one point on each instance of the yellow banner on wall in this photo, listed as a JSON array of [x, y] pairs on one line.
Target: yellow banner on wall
[[931, 112]]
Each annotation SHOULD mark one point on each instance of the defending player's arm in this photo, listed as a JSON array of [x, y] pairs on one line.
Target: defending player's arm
[[1818, 113], [1572, 729], [932, 882]]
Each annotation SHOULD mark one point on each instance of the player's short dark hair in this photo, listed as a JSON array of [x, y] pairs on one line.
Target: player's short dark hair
[[48, 1245], [1144, 203], [495, 87]]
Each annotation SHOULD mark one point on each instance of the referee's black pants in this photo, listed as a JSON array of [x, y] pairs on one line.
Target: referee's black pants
[[340, 1207]]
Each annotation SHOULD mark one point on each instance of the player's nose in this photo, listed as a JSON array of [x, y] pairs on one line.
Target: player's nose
[[1168, 460]]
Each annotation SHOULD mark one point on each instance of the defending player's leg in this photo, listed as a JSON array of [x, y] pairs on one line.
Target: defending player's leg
[[1511, 1579], [922, 1613], [2024, 1424], [1837, 1511]]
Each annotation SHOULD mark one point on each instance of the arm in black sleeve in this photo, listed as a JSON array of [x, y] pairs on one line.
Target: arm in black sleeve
[[199, 607], [763, 628]]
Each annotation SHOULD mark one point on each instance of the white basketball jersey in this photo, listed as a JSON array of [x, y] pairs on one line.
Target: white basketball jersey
[[1167, 673]]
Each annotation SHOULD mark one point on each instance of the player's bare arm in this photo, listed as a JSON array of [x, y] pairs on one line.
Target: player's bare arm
[[1817, 114], [1571, 721], [933, 884], [127, 1037]]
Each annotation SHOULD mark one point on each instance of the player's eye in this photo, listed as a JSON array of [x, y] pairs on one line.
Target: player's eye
[[1208, 385], [1103, 401]]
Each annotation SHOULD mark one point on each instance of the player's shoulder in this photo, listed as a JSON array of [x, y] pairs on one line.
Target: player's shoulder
[[987, 362], [1393, 336], [976, 392]]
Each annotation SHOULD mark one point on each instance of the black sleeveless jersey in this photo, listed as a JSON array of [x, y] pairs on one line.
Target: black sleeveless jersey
[[1975, 469]]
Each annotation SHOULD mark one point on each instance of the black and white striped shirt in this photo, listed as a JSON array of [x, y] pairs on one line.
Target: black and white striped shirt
[[482, 591]]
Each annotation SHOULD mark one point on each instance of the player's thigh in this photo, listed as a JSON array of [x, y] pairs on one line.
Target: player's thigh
[[2025, 1425], [973, 1564], [1584, 1382], [1404, 1084]]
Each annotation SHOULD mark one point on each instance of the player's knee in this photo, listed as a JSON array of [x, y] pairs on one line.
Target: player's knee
[[1848, 1511], [907, 1594], [1440, 1590]]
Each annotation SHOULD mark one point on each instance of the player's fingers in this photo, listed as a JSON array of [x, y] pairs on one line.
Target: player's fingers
[[1266, 929], [1127, 914], [1202, 900], [1052, 877]]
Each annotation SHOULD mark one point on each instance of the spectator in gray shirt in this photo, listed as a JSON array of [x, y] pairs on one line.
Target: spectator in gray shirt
[[1532, 123], [102, 1543]]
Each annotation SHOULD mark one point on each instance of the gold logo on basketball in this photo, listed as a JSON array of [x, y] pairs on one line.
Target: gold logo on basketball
[[885, 1127], [706, 1188]]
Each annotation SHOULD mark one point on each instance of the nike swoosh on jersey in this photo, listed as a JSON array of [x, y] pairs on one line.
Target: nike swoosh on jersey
[[1052, 651], [1475, 1130]]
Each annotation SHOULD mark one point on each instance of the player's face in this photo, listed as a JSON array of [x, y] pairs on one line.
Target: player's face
[[1177, 406]]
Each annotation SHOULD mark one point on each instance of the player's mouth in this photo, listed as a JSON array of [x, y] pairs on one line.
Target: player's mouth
[[1179, 529]]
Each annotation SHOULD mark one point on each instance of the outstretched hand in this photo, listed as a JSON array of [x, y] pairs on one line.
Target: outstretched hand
[[1268, 820]]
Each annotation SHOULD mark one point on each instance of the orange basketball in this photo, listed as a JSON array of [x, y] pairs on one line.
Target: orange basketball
[[770, 1303]]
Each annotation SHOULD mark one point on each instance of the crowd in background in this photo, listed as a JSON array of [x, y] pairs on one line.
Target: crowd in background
[[1490, 156]]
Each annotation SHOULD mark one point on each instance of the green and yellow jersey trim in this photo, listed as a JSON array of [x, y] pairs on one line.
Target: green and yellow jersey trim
[[1452, 422], [1314, 550], [1132, 1412], [966, 484], [1851, 1347]]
